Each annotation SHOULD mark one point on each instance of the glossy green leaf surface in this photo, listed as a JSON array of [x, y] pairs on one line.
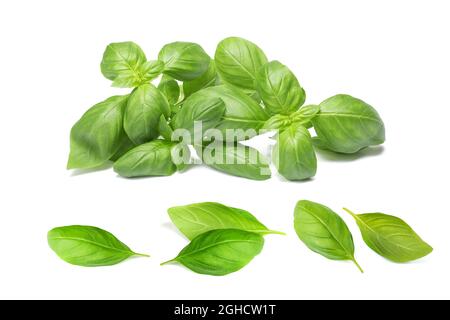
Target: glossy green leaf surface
[[184, 60], [236, 159], [88, 246], [220, 252], [391, 237], [96, 137], [150, 159], [145, 107], [294, 155], [125, 145], [346, 124], [323, 231], [279, 89], [194, 219], [238, 61], [206, 80]]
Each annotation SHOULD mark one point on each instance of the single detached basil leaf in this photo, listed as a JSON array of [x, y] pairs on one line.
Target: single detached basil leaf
[[205, 110], [164, 128], [220, 252], [98, 134], [150, 159], [236, 159], [238, 61], [293, 154], [391, 237], [88, 246], [323, 231], [145, 107], [279, 89], [122, 63], [171, 90], [347, 125], [125, 145], [195, 219], [184, 60], [207, 79]]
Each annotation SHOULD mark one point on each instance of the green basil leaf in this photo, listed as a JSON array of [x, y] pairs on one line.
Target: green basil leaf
[[97, 135], [171, 90], [184, 60], [145, 107], [347, 125], [278, 122], [235, 159], [238, 61], [195, 219], [88, 246], [323, 231], [125, 145], [152, 69], [206, 80], [279, 89], [305, 114], [150, 159], [122, 63], [220, 252], [181, 156], [391, 237], [199, 108], [164, 129], [293, 154]]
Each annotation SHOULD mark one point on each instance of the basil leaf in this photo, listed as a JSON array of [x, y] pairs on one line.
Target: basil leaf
[[278, 122], [184, 60], [347, 125], [279, 89], [170, 89], [199, 108], [238, 60], [97, 135], [181, 156], [152, 69], [125, 145], [391, 237], [150, 159], [195, 219], [123, 63], [235, 159], [220, 252], [206, 80], [293, 154], [164, 129], [323, 231], [301, 117], [88, 246], [145, 107]]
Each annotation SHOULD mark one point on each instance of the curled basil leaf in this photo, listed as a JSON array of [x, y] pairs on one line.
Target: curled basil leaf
[[279, 89], [323, 231], [238, 61], [145, 107], [195, 219], [220, 252], [293, 154], [391, 237], [170, 89], [206, 80], [184, 60], [235, 159], [346, 124], [88, 246], [150, 159], [98, 134]]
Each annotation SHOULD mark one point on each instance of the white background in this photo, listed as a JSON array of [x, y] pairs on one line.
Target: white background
[[393, 54]]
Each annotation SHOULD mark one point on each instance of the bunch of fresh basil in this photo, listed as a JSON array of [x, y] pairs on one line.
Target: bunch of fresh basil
[[239, 90]]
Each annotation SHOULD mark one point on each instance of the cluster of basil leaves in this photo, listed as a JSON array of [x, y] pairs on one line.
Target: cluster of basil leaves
[[238, 89]]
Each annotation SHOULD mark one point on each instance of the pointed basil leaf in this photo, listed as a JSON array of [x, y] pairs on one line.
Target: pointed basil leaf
[[391, 237], [184, 60], [305, 114], [164, 129], [238, 60], [125, 145], [145, 107], [122, 63], [220, 252], [207, 79], [150, 159], [236, 159], [152, 69], [293, 154], [171, 90], [323, 231], [88, 246], [98, 134], [347, 125], [279, 89], [195, 219]]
